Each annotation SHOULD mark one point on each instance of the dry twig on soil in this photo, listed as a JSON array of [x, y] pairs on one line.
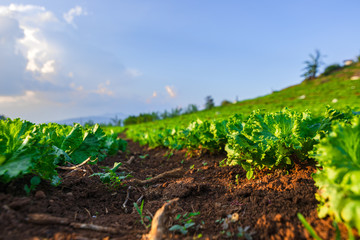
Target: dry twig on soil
[[127, 199], [177, 172], [75, 166], [132, 158], [41, 218], [158, 224]]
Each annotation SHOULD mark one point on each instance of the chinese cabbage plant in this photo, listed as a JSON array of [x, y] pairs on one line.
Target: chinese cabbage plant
[[339, 179], [271, 140], [27, 148]]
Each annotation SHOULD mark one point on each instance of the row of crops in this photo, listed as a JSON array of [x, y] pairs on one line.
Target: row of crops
[[259, 141], [278, 140], [39, 149]]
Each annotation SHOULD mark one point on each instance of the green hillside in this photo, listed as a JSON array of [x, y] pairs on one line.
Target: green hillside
[[336, 90]]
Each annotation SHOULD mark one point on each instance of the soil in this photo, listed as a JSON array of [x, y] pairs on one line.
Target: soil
[[230, 206]]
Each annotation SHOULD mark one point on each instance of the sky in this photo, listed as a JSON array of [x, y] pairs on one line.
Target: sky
[[63, 59]]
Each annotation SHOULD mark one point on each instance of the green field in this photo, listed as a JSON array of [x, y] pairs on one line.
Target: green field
[[314, 122]]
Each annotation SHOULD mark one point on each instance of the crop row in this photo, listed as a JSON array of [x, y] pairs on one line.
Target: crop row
[[27, 148], [278, 140]]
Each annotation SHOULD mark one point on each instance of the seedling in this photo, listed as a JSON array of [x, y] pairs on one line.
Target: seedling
[[111, 178], [144, 156], [308, 227], [237, 179], [168, 154], [35, 181], [204, 163], [192, 166], [186, 222], [314, 234], [142, 217]]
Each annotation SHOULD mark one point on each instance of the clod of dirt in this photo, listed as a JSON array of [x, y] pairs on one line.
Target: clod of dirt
[[19, 203], [40, 195], [183, 188]]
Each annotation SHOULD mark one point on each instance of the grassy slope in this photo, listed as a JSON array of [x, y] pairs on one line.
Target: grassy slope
[[318, 93]]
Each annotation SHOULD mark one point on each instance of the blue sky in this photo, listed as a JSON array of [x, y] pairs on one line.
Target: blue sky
[[62, 59]]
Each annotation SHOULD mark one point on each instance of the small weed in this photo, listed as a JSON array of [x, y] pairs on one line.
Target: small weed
[[308, 227], [182, 161], [185, 221], [139, 209], [312, 232], [204, 163], [144, 156], [111, 178], [237, 179], [223, 163], [231, 219], [199, 236], [192, 166], [34, 182], [169, 154]]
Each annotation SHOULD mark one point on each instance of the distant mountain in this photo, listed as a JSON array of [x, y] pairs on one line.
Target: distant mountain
[[101, 119]]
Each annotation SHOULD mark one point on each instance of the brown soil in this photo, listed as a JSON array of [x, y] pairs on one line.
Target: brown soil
[[265, 207]]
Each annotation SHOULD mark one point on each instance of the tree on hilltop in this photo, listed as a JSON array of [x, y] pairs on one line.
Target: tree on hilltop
[[209, 103], [312, 65]]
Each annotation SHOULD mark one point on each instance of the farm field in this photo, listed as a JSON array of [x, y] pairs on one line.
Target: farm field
[[266, 206], [242, 171], [161, 120]]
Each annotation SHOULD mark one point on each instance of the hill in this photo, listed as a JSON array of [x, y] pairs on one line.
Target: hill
[[340, 89], [102, 119]]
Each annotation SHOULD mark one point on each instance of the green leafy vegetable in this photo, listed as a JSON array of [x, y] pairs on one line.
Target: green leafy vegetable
[[26, 148], [339, 178]]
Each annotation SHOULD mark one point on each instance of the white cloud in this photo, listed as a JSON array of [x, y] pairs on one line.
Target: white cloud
[[46, 71], [72, 13], [33, 45], [132, 72], [76, 88], [31, 14], [48, 67], [170, 91], [102, 90], [24, 8], [29, 96]]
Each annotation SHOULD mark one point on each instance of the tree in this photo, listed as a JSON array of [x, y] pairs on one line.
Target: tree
[[191, 108], [209, 103], [225, 103], [2, 117], [330, 69], [312, 65], [89, 123], [116, 121]]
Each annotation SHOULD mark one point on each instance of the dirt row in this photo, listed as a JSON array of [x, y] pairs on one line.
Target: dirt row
[[214, 202]]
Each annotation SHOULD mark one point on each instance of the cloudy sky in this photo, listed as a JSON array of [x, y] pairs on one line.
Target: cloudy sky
[[62, 59]]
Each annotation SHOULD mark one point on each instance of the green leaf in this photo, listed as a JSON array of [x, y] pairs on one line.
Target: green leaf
[[308, 227], [89, 147], [73, 140], [338, 181], [35, 180]]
